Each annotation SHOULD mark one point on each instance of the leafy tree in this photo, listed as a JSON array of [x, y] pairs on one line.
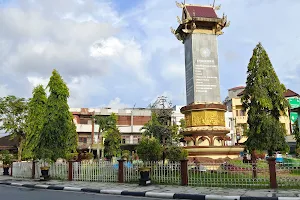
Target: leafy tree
[[156, 128], [149, 149], [297, 136], [59, 136], [35, 120], [264, 100], [112, 142], [108, 128], [160, 125], [182, 123], [13, 112]]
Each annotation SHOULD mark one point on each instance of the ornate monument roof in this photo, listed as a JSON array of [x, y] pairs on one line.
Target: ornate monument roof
[[201, 11], [199, 18]]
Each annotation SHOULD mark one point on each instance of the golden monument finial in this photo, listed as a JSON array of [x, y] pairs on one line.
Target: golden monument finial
[[180, 5], [227, 24], [172, 30], [217, 7], [179, 20]]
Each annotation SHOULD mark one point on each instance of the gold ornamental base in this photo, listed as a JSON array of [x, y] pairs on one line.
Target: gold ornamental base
[[205, 131]]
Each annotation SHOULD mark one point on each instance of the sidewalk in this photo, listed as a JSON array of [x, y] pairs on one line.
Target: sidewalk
[[161, 188]]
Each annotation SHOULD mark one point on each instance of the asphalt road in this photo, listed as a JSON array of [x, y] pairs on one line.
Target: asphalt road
[[18, 193]]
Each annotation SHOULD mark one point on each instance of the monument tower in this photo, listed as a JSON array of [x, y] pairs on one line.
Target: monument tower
[[205, 134]]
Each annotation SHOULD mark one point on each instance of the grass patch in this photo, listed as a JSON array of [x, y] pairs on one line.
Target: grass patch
[[261, 164]]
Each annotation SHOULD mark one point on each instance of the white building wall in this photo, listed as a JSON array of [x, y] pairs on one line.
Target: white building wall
[[177, 115], [124, 129], [229, 123]]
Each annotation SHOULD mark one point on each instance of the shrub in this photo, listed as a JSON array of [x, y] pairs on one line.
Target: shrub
[[72, 156], [176, 153], [298, 152], [6, 158], [149, 149], [126, 155], [89, 156]]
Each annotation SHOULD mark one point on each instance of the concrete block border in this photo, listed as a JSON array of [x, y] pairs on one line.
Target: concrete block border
[[145, 194]]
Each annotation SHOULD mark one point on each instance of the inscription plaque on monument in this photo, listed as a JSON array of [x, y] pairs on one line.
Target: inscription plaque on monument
[[201, 68]]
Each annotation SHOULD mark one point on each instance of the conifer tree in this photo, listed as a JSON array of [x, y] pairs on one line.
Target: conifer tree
[[35, 120], [296, 132], [264, 100], [59, 136]]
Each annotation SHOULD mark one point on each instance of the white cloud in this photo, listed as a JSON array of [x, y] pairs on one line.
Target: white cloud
[[4, 90], [117, 104], [126, 54], [85, 90], [173, 71], [81, 89], [137, 57], [38, 36], [35, 81], [106, 48]]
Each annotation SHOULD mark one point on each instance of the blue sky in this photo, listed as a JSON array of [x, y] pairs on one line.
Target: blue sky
[[120, 53]]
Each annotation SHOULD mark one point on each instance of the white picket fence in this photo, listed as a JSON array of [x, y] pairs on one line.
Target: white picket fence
[[168, 173], [57, 170], [101, 171], [22, 169], [203, 174]]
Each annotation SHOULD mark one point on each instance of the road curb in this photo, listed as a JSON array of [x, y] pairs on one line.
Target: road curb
[[145, 194]]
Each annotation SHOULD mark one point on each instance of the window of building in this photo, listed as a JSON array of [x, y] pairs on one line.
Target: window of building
[[242, 113], [126, 139], [237, 112], [136, 139], [84, 120], [83, 139]]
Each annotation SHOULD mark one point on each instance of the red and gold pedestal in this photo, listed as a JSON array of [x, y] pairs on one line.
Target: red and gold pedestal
[[205, 131]]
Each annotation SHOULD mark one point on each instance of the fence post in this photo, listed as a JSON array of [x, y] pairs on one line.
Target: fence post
[[121, 171], [70, 170], [33, 169], [272, 170], [184, 172]]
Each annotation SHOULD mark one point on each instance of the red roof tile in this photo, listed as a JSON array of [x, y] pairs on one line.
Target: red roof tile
[[6, 142], [199, 11], [291, 93], [237, 88], [288, 93], [241, 93]]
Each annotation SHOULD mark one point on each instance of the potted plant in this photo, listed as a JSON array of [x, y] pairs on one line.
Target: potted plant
[[89, 156], [149, 149], [45, 169], [72, 157], [7, 161]]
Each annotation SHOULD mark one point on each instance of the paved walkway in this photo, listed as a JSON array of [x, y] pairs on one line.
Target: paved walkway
[[164, 188]]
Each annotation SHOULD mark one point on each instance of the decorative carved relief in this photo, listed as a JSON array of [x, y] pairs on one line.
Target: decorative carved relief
[[208, 118], [188, 119]]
